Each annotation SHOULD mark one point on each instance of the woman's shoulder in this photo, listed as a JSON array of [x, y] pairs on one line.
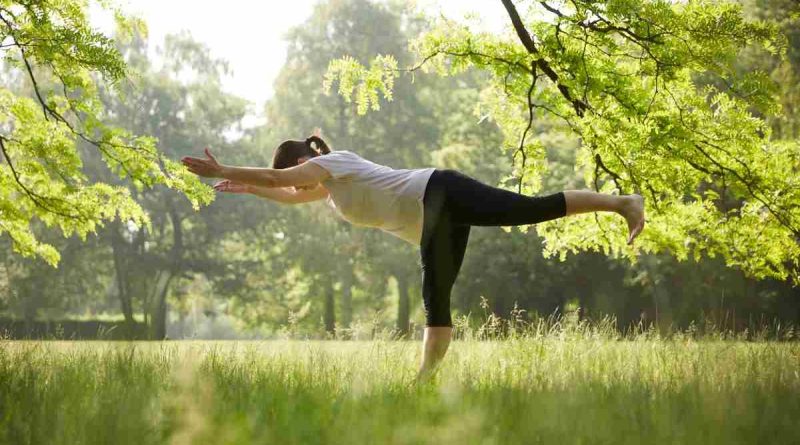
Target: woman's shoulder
[[338, 155], [342, 153], [345, 156], [341, 164]]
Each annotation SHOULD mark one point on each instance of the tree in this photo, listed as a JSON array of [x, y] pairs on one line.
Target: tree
[[621, 76], [183, 114], [35, 289], [61, 62], [785, 73]]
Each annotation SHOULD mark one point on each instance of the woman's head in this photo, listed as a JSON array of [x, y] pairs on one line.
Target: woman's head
[[292, 152]]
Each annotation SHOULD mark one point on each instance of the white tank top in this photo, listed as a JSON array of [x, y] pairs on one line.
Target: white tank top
[[373, 195]]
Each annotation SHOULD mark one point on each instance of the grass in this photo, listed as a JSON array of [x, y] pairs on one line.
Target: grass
[[559, 386]]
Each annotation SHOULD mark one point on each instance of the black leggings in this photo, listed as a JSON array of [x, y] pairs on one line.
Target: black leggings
[[453, 202]]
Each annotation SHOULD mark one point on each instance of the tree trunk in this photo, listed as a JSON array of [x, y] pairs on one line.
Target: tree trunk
[[158, 321], [118, 248], [347, 296], [158, 318], [330, 316], [29, 312], [403, 302]]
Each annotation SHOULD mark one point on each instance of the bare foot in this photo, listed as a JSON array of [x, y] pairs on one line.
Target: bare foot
[[633, 211]]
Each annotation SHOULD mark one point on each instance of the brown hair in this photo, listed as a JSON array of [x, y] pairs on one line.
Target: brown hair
[[287, 154]]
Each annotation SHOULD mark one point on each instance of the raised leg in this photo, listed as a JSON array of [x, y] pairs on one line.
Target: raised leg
[[470, 201], [631, 207]]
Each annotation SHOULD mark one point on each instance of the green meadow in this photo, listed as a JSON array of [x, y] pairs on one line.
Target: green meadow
[[558, 386]]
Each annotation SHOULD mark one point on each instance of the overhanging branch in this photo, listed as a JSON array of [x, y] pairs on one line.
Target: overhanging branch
[[37, 199], [527, 41], [470, 53], [521, 148], [615, 177]]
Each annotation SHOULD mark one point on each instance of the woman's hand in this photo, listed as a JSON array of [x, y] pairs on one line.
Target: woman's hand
[[229, 186], [207, 168]]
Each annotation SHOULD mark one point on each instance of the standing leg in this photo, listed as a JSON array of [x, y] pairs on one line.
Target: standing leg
[[442, 257]]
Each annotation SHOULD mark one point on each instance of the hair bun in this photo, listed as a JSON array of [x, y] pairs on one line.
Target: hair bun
[[322, 147]]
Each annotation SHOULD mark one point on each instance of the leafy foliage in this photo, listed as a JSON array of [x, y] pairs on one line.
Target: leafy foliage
[[379, 76], [61, 62], [623, 77]]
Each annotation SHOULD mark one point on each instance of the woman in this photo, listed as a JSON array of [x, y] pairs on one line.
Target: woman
[[431, 208]]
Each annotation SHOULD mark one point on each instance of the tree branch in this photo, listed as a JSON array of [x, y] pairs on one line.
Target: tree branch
[[519, 27], [615, 177], [525, 37], [37, 199], [50, 112], [752, 189], [470, 53], [521, 148]]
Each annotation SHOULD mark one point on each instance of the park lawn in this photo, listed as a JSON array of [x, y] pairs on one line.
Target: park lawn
[[549, 389]]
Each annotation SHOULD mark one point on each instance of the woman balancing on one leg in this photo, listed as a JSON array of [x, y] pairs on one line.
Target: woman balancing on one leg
[[428, 207]]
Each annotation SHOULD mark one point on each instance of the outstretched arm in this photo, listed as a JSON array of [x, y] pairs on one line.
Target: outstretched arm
[[307, 173], [280, 194]]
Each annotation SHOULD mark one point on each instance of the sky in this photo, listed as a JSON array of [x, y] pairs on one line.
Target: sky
[[232, 28]]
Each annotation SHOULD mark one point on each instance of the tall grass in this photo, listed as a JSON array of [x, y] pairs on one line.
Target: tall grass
[[556, 381]]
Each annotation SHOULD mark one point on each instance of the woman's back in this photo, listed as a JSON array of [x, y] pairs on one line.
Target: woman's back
[[373, 195]]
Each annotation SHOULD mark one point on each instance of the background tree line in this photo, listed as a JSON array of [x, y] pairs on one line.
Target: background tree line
[[298, 268]]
